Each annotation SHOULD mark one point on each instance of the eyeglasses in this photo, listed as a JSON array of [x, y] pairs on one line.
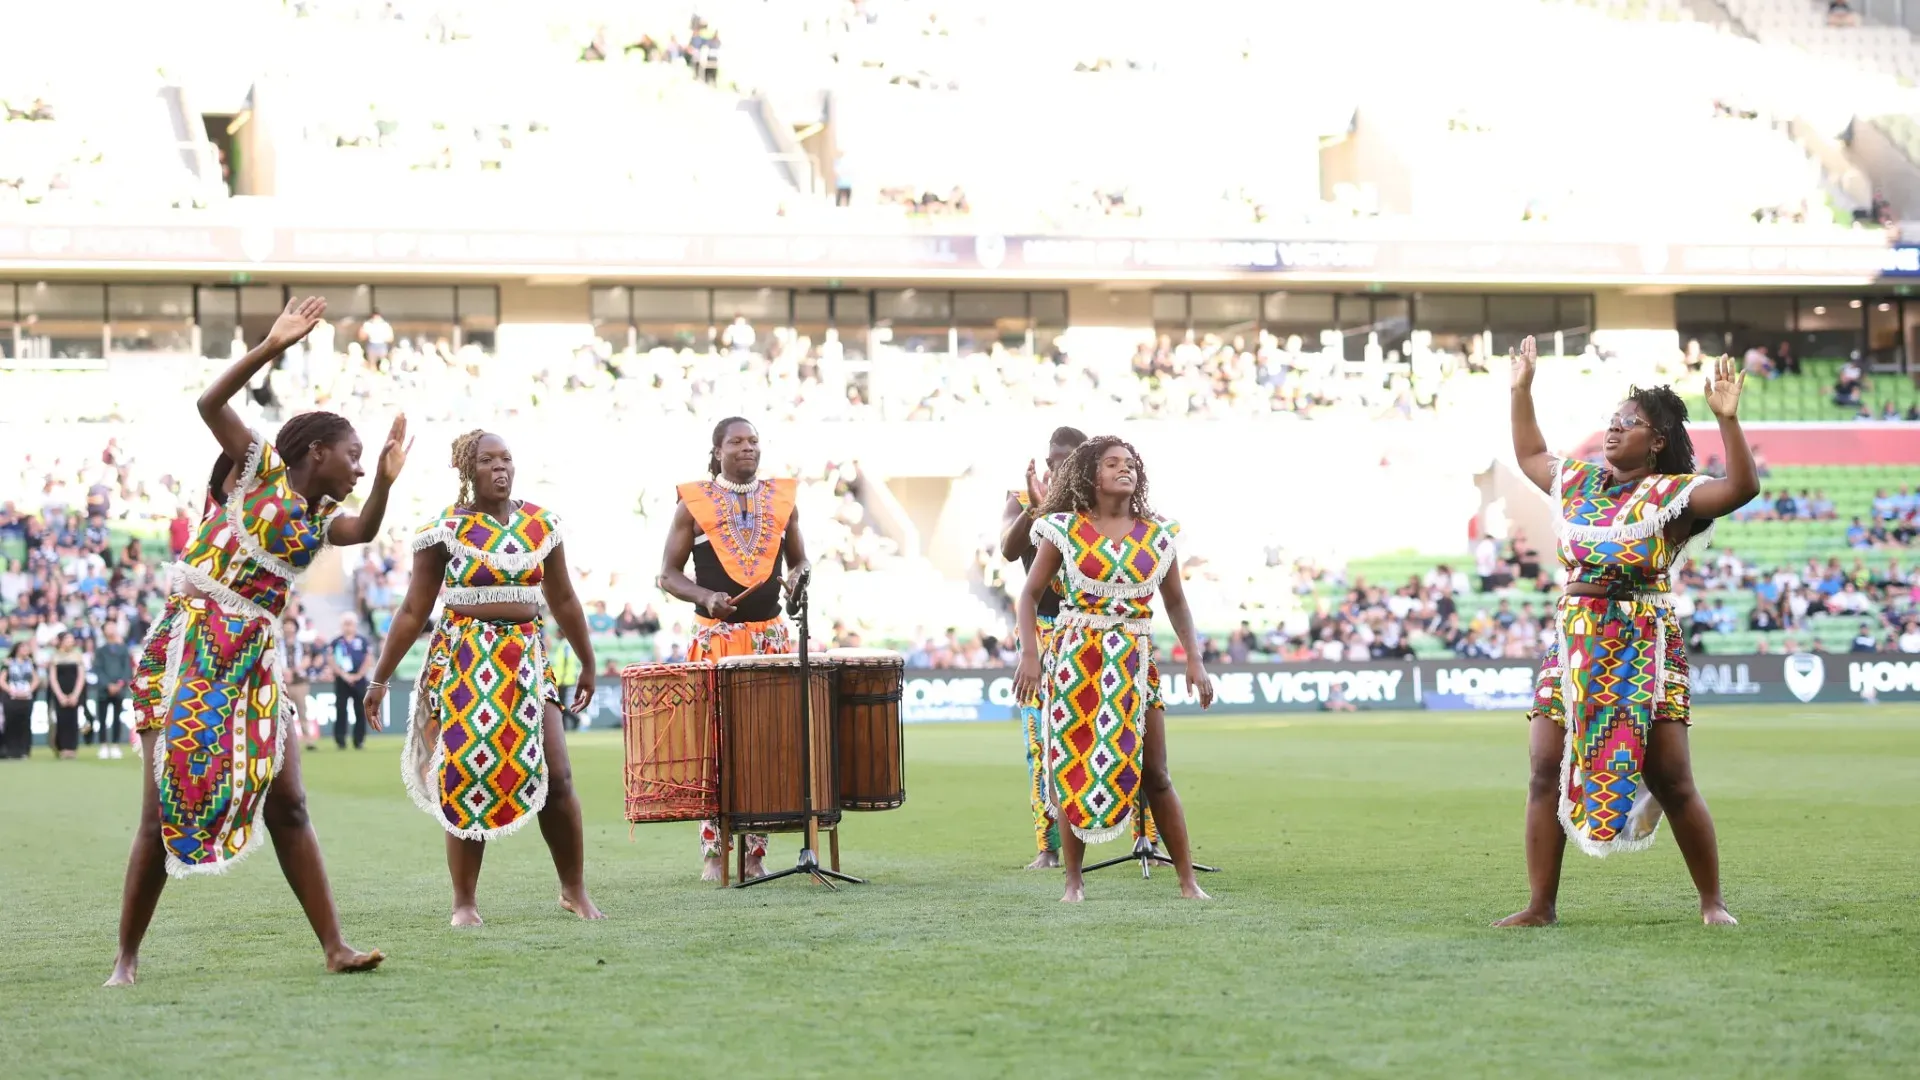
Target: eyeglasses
[[1620, 425]]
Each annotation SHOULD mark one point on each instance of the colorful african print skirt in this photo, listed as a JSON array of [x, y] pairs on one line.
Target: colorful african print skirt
[[1098, 685], [1046, 832], [1616, 668], [207, 680], [475, 757]]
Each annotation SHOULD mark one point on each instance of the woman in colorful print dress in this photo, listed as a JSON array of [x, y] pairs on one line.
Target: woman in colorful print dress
[[485, 751], [209, 687], [1609, 725], [738, 529], [1099, 686]]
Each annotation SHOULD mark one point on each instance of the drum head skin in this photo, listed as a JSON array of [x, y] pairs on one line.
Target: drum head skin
[[867, 657]]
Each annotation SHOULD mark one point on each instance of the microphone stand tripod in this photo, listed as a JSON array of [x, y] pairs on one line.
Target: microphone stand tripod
[[1149, 857], [807, 863]]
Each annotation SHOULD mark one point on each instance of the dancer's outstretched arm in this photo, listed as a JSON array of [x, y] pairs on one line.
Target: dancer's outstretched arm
[[1720, 497], [1529, 446], [216, 403]]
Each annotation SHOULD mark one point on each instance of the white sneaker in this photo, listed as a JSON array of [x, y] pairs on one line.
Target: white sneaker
[[103, 753], [117, 754]]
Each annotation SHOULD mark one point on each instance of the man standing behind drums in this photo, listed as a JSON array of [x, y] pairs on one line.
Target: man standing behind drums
[[1016, 542], [739, 530]]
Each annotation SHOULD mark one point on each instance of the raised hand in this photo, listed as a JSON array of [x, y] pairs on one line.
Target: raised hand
[[1523, 363], [1036, 487], [1724, 383], [393, 456], [297, 321]]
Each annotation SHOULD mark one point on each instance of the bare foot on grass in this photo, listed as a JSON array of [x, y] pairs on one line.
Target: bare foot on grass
[[467, 916], [1529, 917], [1046, 860], [1717, 915], [349, 959], [580, 904]]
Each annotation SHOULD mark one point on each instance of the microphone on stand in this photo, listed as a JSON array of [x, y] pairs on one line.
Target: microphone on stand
[[797, 599]]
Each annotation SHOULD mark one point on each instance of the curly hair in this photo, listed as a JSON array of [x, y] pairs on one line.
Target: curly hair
[[464, 459], [720, 436], [295, 439], [1666, 415], [1074, 483]]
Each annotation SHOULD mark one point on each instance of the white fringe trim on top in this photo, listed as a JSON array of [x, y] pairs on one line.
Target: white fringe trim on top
[[456, 596], [508, 563], [1136, 627], [1046, 529]]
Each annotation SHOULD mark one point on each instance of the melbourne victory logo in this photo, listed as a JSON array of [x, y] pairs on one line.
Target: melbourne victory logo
[[1805, 673]]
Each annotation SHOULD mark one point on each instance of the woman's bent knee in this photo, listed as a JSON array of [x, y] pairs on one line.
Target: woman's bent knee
[[287, 811]]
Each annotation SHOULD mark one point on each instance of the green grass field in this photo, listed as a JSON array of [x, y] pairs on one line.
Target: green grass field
[[1364, 859]]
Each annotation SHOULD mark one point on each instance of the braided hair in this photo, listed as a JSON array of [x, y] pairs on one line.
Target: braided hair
[[1073, 487], [1666, 415], [465, 458], [295, 440], [720, 436]]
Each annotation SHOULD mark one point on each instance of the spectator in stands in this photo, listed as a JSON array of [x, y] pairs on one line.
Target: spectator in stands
[[1864, 641], [179, 531], [1849, 384], [1759, 363], [1785, 506], [1785, 361], [739, 336], [376, 334], [1820, 508], [629, 623], [1910, 637], [1841, 13], [1763, 618], [351, 657], [1886, 507], [1857, 535]]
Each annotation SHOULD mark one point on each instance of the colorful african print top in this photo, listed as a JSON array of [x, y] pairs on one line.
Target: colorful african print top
[[1616, 534], [1108, 582], [249, 550], [490, 561], [746, 542]]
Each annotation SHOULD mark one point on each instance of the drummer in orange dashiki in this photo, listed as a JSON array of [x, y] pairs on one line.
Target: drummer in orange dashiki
[[739, 530]]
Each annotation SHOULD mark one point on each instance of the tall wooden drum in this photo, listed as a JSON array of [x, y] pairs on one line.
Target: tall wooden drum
[[762, 783], [868, 686], [671, 721]]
